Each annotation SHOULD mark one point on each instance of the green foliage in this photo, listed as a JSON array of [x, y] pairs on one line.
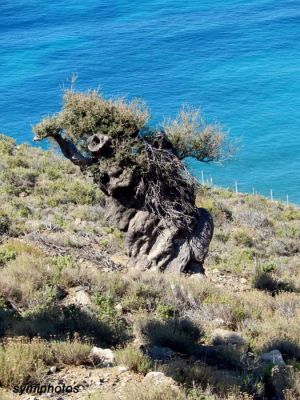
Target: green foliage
[[165, 311], [2, 303], [7, 255], [7, 145], [222, 236], [243, 237], [108, 314], [193, 137], [4, 222], [84, 114], [105, 304], [291, 214]]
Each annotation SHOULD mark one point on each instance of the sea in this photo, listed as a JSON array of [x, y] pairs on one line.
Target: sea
[[237, 60]]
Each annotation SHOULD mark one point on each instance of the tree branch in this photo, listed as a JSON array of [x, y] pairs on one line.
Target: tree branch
[[71, 152]]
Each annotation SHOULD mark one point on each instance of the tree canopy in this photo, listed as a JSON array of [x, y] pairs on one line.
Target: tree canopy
[[92, 130]]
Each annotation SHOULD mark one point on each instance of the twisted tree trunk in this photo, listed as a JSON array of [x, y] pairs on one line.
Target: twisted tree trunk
[[151, 240]]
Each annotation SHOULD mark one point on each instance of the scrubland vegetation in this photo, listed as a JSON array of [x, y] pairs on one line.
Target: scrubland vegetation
[[54, 239]]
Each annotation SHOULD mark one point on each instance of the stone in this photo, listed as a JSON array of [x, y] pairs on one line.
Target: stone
[[161, 353], [122, 369], [159, 378], [119, 308], [273, 357], [102, 357], [52, 370], [223, 336], [78, 296], [120, 259]]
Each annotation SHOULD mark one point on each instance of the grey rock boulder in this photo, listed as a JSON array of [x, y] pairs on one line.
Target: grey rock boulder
[[79, 297], [273, 357], [102, 357], [159, 378]]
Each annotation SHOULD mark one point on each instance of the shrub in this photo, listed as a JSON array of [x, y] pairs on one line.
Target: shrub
[[243, 237], [265, 279], [177, 334], [23, 362], [165, 311], [111, 117], [133, 359], [4, 223], [7, 145], [6, 255], [22, 277], [193, 137], [71, 352]]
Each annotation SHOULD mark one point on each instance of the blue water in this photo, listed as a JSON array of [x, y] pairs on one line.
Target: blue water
[[238, 60]]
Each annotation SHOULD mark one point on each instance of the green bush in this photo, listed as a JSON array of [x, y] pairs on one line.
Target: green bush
[[177, 334], [243, 237], [133, 359], [4, 223], [7, 145]]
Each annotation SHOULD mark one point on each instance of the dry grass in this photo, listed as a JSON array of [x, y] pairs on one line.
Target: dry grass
[[23, 361], [57, 206], [133, 359], [142, 391], [23, 277]]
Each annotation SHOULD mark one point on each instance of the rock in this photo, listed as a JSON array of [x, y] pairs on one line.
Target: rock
[[223, 336], [159, 378], [274, 357], [119, 308], [120, 259], [122, 369], [78, 296], [77, 221], [52, 370], [102, 357], [243, 280], [161, 353]]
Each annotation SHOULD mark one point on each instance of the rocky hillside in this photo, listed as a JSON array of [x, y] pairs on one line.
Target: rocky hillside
[[72, 313]]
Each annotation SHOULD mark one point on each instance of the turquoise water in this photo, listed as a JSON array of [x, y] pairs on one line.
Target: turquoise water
[[237, 60]]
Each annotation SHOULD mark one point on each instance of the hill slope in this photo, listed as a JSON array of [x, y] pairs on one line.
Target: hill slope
[[64, 279]]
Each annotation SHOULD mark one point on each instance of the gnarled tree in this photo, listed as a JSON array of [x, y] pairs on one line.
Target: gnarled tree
[[150, 194]]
